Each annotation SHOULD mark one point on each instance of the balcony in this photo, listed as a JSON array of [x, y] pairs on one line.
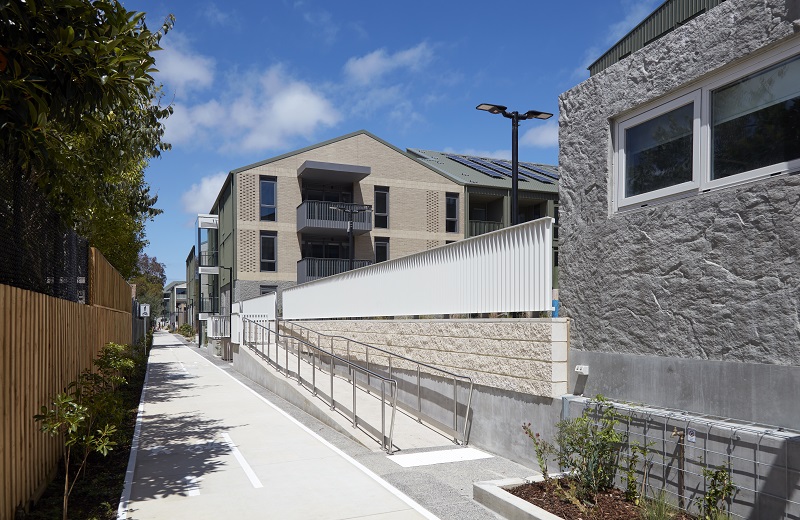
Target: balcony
[[209, 305], [309, 269], [320, 218], [479, 227], [208, 259]]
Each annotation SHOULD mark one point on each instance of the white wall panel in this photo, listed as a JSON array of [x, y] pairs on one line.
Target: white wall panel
[[510, 270]]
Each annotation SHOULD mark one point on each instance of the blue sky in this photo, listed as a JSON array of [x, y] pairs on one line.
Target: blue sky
[[253, 79]]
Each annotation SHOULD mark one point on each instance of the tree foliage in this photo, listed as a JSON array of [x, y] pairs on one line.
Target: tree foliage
[[150, 279], [80, 114]]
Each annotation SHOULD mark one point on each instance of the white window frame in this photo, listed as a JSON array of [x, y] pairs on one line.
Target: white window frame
[[652, 113], [739, 73], [700, 95]]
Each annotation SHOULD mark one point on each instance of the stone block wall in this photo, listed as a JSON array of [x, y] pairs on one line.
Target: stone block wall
[[711, 276], [527, 356]]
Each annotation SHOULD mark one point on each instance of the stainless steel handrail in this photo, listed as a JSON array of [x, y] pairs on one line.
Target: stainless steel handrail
[[253, 331], [464, 439]]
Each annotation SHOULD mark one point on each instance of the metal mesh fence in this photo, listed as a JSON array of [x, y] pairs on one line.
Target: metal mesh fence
[[763, 462], [37, 251]]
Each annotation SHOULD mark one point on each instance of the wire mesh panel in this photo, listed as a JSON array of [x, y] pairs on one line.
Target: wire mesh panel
[[683, 450], [38, 252]]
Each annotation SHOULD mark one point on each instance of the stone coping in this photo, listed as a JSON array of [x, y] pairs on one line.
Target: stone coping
[[492, 495]]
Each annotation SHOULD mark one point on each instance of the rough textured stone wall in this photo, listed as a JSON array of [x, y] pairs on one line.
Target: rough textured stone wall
[[711, 276], [525, 355]]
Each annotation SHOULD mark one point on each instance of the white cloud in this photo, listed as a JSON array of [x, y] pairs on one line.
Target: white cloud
[[201, 196], [543, 135], [260, 111], [373, 66], [323, 24], [181, 69], [217, 16]]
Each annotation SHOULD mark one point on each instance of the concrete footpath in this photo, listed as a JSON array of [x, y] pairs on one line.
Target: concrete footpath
[[212, 443]]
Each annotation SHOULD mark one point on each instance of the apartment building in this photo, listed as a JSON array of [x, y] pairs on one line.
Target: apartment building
[[175, 309], [298, 216]]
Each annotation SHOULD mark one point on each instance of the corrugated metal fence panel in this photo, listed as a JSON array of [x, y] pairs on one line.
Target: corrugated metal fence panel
[[510, 270], [667, 17]]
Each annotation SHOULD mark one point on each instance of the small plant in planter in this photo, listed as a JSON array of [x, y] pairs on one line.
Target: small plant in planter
[[719, 489], [587, 451]]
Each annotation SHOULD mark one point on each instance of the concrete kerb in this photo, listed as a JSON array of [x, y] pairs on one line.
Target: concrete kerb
[[492, 495]]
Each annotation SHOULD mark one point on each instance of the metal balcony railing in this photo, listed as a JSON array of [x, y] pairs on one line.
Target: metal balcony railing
[[309, 269], [479, 227], [210, 305], [314, 215], [208, 259]]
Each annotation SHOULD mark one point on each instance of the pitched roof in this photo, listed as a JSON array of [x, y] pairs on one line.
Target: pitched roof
[[471, 170]]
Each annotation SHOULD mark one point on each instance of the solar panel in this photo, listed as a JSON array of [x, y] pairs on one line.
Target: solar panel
[[550, 174], [486, 171], [522, 171], [505, 171]]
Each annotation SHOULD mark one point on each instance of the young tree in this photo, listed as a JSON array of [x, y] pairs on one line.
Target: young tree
[[150, 282]]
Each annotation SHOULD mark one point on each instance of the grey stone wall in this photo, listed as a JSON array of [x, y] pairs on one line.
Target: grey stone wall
[[711, 276]]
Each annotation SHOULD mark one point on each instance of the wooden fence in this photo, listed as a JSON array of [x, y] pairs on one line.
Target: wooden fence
[[45, 342]]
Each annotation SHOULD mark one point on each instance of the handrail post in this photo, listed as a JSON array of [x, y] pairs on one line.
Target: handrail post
[[299, 379], [366, 353], [383, 414], [314, 371], [331, 370], [419, 395], [354, 402], [455, 409], [349, 362]]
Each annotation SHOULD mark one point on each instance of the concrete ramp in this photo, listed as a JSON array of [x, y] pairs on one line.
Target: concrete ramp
[[374, 414]]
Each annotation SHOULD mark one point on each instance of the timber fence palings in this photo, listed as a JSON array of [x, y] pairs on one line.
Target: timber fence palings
[[44, 344]]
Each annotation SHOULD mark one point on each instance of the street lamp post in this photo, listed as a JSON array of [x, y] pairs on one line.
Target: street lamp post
[[515, 118], [351, 210]]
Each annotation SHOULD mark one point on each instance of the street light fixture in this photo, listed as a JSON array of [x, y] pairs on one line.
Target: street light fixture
[[515, 118], [351, 210]]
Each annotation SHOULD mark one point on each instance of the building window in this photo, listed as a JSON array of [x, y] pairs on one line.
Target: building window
[[451, 213], [269, 251], [735, 127], [657, 151], [381, 207], [755, 122], [267, 289], [381, 249], [269, 196]]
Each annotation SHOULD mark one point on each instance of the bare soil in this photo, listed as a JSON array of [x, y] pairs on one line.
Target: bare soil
[[610, 505]]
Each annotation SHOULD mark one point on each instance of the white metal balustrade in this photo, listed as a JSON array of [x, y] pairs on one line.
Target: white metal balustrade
[[510, 270]]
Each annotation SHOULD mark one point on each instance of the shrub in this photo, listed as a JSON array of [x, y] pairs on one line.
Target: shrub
[[186, 330], [587, 448]]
